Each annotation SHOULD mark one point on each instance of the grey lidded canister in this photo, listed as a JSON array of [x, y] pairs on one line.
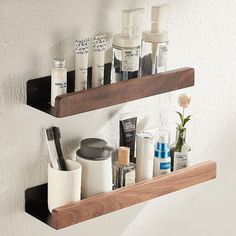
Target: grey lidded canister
[[94, 149], [95, 157]]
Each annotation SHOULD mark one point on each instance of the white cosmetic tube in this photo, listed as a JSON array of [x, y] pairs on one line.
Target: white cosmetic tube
[[81, 64], [99, 46]]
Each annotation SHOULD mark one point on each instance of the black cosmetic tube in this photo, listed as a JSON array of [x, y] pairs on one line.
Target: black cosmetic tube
[[127, 135]]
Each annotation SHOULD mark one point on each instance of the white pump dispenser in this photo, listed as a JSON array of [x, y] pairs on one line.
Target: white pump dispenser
[[127, 38], [126, 48], [158, 39]]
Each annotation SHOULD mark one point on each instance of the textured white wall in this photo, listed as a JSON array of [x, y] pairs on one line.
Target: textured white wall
[[202, 35]]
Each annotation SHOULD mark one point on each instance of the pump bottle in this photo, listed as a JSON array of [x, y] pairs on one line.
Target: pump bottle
[[126, 49], [154, 45]]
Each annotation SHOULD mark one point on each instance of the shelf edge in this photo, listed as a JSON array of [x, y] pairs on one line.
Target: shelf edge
[[146, 190]]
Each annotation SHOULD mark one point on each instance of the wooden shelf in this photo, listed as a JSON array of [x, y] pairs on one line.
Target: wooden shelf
[[38, 91], [36, 198]]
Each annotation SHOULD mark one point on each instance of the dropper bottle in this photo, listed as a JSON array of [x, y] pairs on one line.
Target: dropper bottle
[[154, 45], [126, 48]]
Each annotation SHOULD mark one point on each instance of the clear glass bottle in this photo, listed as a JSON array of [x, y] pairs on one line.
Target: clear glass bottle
[[58, 79], [180, 151], [126, 48], [154, 46], [125, 63], [153, 58], [123, 170]]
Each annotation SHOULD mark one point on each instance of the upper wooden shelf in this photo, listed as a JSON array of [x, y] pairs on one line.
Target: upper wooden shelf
[[38, 92], [36, 197]]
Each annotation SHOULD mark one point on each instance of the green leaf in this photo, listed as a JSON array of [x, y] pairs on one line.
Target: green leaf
[[186, 120], [180, 116]]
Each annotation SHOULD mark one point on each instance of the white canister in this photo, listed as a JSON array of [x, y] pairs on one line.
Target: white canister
[[64, 186], [95, 158], [144, 156]]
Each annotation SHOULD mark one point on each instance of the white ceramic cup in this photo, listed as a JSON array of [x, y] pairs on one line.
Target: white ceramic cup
[[64, 186]]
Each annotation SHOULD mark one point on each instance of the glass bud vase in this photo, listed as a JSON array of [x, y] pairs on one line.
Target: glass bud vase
[[180, 150]]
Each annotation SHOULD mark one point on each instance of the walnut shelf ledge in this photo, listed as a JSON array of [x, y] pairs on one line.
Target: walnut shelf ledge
[[36, 198], [38, 92]]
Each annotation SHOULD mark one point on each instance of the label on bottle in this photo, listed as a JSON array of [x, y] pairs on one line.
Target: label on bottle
[[130, 178], [181, 160], [162, 55], [59, 86], [164, 165], [130, 60]]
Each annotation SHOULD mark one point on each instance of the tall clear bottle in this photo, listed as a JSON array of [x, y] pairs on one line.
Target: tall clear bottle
[[58, 79], [126, 49], [154, 46]]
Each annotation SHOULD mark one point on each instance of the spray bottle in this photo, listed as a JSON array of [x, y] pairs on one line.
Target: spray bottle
[[126, 48], [154, 45]]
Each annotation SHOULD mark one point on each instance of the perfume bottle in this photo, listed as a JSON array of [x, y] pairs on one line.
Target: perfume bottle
[[180, 151], [58, 79], [154, 46], [162, 161], [123, 170], [126, 49]]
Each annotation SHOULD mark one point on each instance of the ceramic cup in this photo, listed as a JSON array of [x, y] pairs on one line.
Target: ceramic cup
[[64, 186]]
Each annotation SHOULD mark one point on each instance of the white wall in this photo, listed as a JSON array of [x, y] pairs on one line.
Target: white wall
[[202, 35]]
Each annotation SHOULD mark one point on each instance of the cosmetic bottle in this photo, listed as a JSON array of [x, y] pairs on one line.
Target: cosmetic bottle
[[126, 49], [180, 151], [99, 47], [144, 155], [58, 79], [123, 170], [162, 161], [81, 64], [154, 46]]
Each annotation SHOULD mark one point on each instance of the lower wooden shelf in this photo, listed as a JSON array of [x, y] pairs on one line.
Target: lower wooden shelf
[[36, 197]]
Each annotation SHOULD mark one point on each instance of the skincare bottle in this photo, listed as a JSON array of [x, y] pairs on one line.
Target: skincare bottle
[[126, 49], [58, 79], [154, 46], [123, 170], [99, 46], [81, 64], [162, 161]]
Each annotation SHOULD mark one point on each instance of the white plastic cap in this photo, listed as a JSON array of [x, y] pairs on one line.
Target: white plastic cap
[[156, 12], [163, 136], [127, 38], [128, 20]]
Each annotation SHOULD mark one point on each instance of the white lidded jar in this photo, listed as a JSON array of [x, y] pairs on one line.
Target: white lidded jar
[[58, 79], [95, 157]]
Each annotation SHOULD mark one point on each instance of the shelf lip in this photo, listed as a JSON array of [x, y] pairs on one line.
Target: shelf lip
[[121, 198], [124, 91]]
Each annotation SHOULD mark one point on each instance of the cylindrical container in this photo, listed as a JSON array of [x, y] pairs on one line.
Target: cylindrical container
[[95, 158], [144, 156], [64, 186], [58, 79], [162, 160]]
